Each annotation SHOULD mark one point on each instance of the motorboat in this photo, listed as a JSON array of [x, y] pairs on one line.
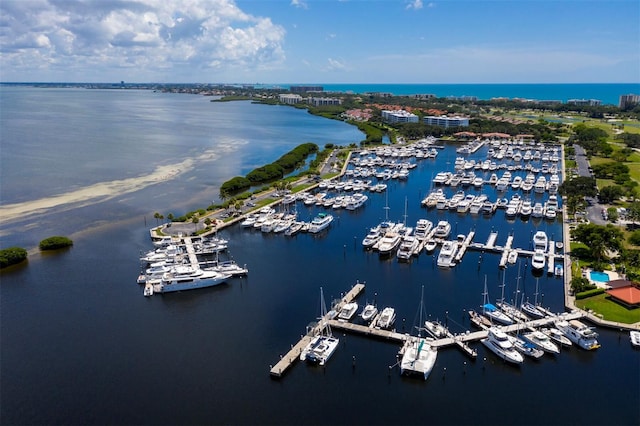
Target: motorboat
[[320, 222], [388, 243], [408, 247], [537, 211], [418, 357], [538, 260], [540, 241], [372, 237], [579, 333], [294, 228], [348, 311], [423, 227], [356, 201], [430, 246], [369, 312], [228, 267], [557, 336], [148, 289], [498, 342], [446, 257], [434, 328], [387, 318], [443, 229], [634, 338], [542, 341]]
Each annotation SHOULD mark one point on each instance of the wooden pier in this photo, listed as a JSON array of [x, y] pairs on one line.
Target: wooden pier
[[293, 355]]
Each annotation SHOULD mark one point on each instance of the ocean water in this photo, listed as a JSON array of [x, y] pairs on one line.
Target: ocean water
[[607, 93], [81, 345]]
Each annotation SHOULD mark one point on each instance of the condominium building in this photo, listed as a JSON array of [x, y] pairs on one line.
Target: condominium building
[[588, 102], [324, 101], [446, 122], [399, 116], [291, 99], [627, 101]]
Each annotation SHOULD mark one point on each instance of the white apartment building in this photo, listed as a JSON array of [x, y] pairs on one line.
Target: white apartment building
[[399, 116], [291, 99], [446, 122]]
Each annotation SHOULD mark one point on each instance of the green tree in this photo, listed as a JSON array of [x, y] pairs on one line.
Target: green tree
[[599, 238], [195, 220], [12, 256], [609, 194], [583, 186]]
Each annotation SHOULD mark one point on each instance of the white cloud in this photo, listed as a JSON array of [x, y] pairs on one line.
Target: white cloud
[[415, 4], [299, 3], [156, 38], [336, 65]]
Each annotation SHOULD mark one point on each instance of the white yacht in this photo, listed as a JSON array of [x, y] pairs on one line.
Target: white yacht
[[446, 257], [491, 311], [323, 344], [526, 348], [579, 333], [373, 236], [418, 358], [348, 311], [634, 338], [423, 227], [542, 341], [187, 278], [538, 210], [557, 336], [498, 342], [538, 260], [356, 201], [540, 241], [387, 318], [388, 243], [320, 222], [443, 229], [369, 312], [408, 247], [437, 330]]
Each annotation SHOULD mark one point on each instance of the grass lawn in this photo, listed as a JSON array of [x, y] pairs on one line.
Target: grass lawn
[[612, 311]]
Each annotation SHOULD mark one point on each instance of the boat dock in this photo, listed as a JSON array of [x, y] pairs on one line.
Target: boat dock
[[464, 245], [293, 355], [460, 340]]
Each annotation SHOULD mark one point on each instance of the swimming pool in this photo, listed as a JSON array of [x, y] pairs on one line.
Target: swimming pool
[[601, 277]]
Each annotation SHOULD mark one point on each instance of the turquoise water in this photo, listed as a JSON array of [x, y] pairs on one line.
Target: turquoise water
[[600, 277], [608, 93]]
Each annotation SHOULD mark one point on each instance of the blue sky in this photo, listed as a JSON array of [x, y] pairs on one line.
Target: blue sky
[[320, 41]]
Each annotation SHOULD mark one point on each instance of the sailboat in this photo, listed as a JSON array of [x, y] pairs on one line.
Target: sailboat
[[508, 308], [491, 311], [323, 344], [418, 356], [532, 309]]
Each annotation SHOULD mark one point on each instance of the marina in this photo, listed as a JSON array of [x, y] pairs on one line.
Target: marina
[[203, 356]]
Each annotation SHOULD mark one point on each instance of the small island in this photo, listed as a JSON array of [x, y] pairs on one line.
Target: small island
[[55, 243], [12, 256]]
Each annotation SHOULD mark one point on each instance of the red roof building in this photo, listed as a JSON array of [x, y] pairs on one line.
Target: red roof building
[[628, 295]]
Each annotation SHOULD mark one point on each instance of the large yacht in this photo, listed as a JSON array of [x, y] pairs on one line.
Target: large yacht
[[423, 227], [443, 229], [498, 342], [446, 257], [540, 241], [388, 243], [188, 278], [408, 247], [418, 358], [579, 333], [320, 222], [538, 260]]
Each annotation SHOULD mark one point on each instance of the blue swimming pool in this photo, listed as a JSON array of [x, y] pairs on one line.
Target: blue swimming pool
[[600, 277]]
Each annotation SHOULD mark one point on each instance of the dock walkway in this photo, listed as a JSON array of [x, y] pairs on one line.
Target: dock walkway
[[293, 355]]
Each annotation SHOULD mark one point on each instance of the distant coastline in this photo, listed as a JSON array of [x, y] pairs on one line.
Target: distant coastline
[[607, 93]]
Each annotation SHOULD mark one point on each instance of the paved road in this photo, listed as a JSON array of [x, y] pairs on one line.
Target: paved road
[[594, 209]]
